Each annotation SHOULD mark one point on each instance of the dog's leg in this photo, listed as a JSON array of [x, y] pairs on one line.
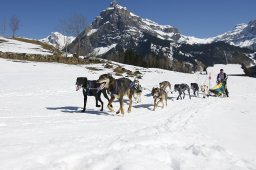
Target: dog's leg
[[161, 100], [98, 96], [106, 95], [85, 101], [154, 105], [179, 96], [121, 100], [97, 100], [130, 103], [110, 107]]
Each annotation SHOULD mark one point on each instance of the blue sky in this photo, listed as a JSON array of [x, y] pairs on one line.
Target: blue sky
[[199, 18]]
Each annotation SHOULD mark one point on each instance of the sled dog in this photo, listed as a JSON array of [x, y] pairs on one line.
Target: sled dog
[[118, 88], [91, 88], [159, 96]]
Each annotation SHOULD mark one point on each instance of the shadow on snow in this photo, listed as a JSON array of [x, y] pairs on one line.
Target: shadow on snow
[[74, 109]]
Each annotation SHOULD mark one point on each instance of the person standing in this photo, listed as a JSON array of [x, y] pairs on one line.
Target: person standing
[[222, 78]]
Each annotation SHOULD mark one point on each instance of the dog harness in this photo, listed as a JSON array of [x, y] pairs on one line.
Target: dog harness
[[88, 89]]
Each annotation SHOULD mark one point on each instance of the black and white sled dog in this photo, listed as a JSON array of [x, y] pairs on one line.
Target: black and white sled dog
[[91, 88], [195, 88], [181, 88], [118, 88], [137, 90], [205, 90]]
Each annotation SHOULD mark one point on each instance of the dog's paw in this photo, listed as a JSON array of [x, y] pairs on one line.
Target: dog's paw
[[83, 110]]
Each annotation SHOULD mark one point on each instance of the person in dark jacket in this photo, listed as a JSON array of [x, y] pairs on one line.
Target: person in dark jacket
[[222, 78]]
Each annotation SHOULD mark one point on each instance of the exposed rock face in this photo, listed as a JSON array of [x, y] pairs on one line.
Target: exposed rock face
[[116, 25]]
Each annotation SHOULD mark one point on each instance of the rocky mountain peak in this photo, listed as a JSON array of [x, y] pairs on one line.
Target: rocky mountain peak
[[120, 35], [116, 15]]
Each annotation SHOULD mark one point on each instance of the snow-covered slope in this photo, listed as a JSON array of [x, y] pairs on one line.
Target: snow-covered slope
[[243, 35], [58, 40], [193, 40], [15, 46], [41, 127]]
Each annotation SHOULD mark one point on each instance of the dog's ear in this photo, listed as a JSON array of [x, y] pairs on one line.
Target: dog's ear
[[110, 75]]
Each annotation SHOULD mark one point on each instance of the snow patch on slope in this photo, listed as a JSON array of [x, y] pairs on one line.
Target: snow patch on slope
[[15, 46], [92, 31], [193, 40], [103, 50]]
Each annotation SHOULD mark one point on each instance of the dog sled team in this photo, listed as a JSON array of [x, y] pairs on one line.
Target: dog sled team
[[121, 87]]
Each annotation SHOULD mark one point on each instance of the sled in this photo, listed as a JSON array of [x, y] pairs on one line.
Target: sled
[[218, 90]]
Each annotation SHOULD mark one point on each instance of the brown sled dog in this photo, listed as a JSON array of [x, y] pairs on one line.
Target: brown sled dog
[[118, 88], [159, 96]]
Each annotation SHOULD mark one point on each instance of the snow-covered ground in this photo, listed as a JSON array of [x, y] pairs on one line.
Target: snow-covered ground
[[15, 46], [41, 127]]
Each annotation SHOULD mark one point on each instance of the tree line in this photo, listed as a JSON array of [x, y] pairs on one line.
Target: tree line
[[147, 60]]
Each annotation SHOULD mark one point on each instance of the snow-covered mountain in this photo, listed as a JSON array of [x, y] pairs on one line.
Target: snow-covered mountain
[[116, 26], [122, 36], [243, 35], [58, 40]]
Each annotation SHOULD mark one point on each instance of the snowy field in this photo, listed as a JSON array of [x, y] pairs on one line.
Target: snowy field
[[42, 128]]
